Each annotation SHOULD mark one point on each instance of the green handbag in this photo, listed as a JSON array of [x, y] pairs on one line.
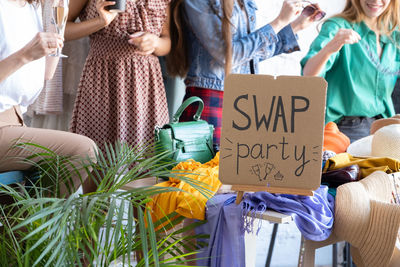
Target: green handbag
[[186, 140]]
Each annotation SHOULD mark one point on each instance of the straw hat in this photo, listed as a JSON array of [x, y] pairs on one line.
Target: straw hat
[[376, 125], [366, 219], [385, 142]]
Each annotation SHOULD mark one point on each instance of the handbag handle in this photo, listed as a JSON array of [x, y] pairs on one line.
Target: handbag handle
[[185, 104]]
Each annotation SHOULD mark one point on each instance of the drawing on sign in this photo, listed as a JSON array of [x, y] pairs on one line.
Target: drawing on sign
[[262, 170], [278, 176]]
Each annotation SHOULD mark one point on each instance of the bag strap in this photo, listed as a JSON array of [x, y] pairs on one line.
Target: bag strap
[[185, 104]]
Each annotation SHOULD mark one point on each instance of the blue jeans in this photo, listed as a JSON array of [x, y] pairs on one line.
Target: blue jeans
[[356, 127]]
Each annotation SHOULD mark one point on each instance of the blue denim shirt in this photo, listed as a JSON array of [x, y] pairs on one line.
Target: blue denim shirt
[[206, 46]]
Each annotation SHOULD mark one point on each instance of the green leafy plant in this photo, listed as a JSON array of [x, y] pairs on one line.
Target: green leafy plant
[[40, 228]]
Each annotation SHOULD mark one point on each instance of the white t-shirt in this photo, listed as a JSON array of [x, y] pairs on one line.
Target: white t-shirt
[[18, 25]]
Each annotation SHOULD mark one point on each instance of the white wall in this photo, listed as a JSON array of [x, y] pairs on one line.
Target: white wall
[[288, 64]]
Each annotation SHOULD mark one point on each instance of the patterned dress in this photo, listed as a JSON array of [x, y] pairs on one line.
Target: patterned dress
[[121, 94]]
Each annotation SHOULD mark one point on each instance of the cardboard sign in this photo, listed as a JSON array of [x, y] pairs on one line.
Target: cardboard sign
[[272, 133]]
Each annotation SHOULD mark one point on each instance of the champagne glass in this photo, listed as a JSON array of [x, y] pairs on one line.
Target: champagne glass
[[59, 20]]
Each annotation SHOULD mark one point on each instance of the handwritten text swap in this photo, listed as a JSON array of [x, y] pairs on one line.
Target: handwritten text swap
[[270, 114], [275, 108]]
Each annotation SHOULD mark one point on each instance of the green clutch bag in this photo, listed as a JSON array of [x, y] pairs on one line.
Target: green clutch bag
[[186, 140]]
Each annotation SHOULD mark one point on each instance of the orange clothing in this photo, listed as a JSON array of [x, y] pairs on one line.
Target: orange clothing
[[335, 140]]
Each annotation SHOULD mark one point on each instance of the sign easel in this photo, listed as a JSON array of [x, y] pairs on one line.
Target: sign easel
[[272, 134]]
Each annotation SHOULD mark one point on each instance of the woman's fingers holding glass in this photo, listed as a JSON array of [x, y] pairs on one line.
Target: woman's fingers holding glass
[[53, 41], [54, 38], [43, 44]]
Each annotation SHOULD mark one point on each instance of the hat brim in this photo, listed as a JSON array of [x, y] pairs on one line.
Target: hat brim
[[366, 219], [361, 147]]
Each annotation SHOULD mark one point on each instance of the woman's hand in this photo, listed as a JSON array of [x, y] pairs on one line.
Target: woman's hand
[[315, 65], [342, 37], [146, 42], [302, 22], [105, 16], [76, 30], [290, 9], [43, 44]]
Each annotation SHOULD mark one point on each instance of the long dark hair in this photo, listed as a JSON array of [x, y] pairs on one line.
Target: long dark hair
[[177, 59]]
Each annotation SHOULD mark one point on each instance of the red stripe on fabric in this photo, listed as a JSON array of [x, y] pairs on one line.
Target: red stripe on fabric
[[212, 112]]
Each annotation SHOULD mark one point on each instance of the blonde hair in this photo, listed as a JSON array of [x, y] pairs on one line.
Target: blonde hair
[[177, 60], [388, 21]]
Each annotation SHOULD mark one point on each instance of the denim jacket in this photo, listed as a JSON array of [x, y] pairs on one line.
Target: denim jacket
[[206, 46]]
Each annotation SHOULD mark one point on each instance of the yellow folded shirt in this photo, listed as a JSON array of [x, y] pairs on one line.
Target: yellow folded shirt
[[191, 203], [367, 165]]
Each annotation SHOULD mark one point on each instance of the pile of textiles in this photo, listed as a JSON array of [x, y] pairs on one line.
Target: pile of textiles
[[227, 222]]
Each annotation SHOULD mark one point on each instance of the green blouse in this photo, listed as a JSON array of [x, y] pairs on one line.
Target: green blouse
[[359, 83]]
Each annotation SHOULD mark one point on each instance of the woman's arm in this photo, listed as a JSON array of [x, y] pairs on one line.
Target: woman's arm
[[149, 43], [44, 43], [206, 26], [12, 63], [75, 30], [164, 45], [287, 37], [317, 63]]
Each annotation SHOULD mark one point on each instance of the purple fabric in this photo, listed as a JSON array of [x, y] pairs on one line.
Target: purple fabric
[[225, 227], [313, 215], [227, 222]]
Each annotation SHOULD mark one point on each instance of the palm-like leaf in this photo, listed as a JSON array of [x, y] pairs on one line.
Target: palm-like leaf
[[41, 229]]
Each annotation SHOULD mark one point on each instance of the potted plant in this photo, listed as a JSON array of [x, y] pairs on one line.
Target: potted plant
[[98, 228]]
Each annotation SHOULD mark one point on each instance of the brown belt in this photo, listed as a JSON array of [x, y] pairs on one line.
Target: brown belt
[[11, 116]]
